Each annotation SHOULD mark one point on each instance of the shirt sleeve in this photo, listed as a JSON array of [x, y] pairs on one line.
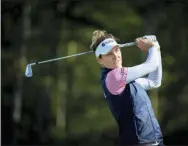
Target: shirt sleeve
[[154, 78], [116, 80], [150, 65]]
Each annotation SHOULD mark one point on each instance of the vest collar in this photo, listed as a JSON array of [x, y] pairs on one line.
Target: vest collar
[[104, 71]]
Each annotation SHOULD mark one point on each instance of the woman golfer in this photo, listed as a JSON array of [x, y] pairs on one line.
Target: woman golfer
[[124, 88]]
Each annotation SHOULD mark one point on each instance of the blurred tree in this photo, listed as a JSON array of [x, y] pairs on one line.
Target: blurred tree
[[63, 102]]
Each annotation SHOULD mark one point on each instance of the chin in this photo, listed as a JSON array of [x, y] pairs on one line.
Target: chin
[[118, 66], [115, 66]]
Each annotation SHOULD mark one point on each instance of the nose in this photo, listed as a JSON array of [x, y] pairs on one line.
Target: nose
[[115, 55]]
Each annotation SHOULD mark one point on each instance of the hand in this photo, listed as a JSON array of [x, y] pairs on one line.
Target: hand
[[144, 44], [153, 39]]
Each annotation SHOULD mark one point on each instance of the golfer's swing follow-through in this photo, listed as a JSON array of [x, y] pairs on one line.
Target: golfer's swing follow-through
[[124, 87]]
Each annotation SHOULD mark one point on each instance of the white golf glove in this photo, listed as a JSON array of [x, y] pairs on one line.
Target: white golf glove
[[153, 39]]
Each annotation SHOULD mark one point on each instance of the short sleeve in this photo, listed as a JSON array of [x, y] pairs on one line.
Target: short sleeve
[[116, 80]]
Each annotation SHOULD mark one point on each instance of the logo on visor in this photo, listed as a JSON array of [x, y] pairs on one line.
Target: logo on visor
[[107, 42]]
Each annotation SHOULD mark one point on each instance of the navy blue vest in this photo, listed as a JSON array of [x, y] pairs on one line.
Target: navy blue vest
[[133, 112]]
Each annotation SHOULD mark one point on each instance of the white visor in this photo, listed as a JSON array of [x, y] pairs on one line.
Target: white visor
[[105, 46]]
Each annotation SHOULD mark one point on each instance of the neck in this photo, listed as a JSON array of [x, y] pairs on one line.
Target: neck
[[111, 68]]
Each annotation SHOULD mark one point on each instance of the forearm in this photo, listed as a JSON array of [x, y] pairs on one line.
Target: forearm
[[149, 66], [154, 78]]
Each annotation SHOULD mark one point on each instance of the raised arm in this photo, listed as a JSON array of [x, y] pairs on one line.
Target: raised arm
[[154, 78], [149, 66], [145, 68]]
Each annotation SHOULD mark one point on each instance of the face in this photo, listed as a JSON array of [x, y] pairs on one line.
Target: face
[[111, 60]]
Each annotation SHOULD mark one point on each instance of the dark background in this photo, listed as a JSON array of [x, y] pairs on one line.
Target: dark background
[[63, 103]]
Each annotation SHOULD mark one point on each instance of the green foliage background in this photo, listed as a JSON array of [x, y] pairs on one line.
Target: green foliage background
[[63, 102]]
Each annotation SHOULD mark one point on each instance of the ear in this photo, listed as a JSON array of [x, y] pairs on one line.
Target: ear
[[99, 60]]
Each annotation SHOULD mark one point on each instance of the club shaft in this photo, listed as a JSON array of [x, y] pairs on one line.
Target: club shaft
[[83, 53], [128, 44], [55, 59]]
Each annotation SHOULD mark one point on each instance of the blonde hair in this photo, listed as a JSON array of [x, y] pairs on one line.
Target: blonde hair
[[97, 34], [98, 37]]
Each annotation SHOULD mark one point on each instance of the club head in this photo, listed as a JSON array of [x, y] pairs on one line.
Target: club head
[[28, 71]]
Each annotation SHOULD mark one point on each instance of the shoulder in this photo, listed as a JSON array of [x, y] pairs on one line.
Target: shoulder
[[117, 74], [116, 80]]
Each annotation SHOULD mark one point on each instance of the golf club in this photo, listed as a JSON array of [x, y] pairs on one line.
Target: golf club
[[29, 73]]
